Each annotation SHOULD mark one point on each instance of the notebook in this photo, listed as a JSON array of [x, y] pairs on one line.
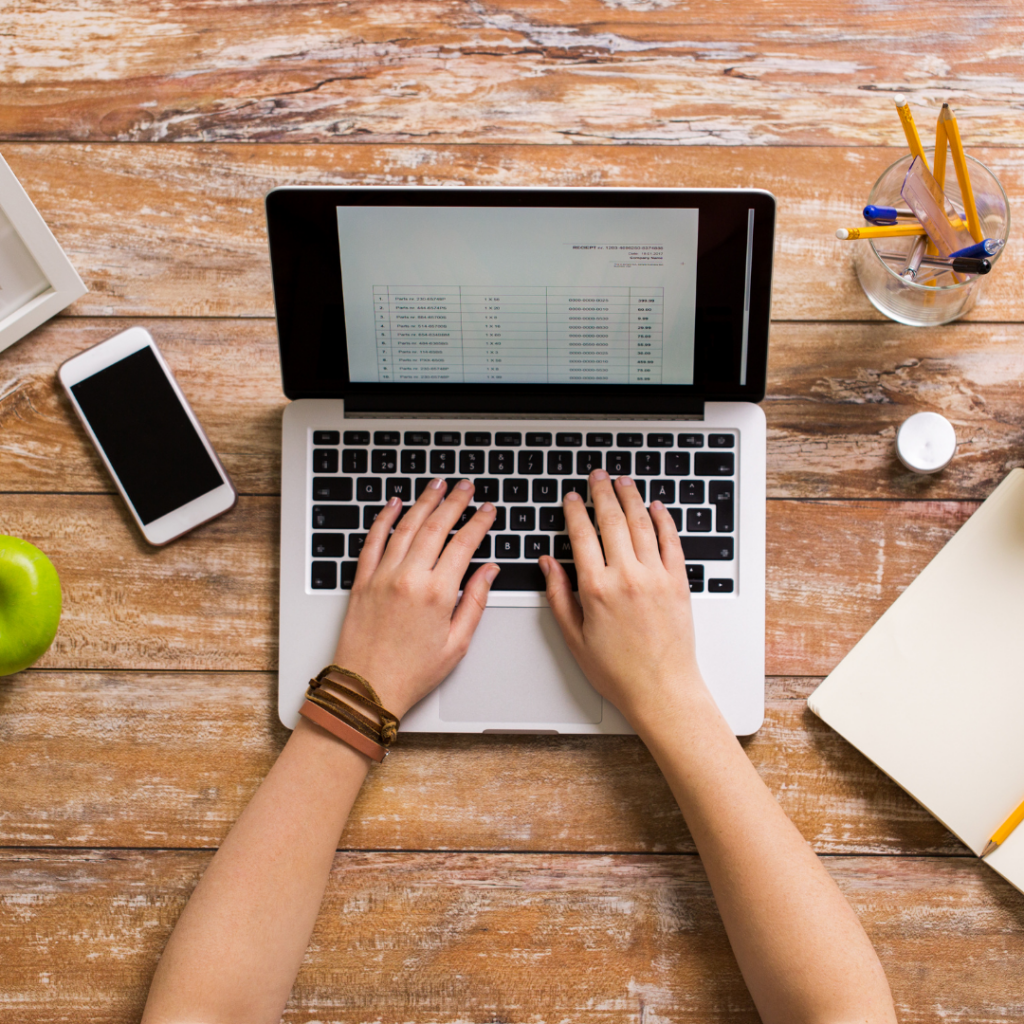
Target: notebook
[[934, 693]]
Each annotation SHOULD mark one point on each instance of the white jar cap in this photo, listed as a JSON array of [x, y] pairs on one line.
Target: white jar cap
[[926, 442]]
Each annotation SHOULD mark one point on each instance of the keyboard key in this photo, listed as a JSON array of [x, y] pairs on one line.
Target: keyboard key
[[348, 574], [324, 576], [356, 437], [677, 518], [721, 441], [328, 545], [691, 492], [370, 512], [508, 438], [719, 586], [368, 488], [332, 488], [384, 460], [484, 551], [545, 491], [720, 494], [648, 463], [506, 546], [515, 490], [569, 440], [579, 486], [522, 518], [663, 490], [326, 437], [444, 438], [398, 487], [599, 440], [641, 486], [696, 586], [499, 518], [587, 461], [442, 461], [660, 441], [335, 517], [563, 546], [535, 546], [387, 437], [523, 576], [501, 462], [355, 544], [707, 549], [467, 513], [630, 440], [619, 463], [417, 438], [414, 461], [698, 520], [538, 440], [478, 438], [486, 490], [421, 484], [552, 519], [531, 463], [677, 463], [354, 460], [471, 462], [691, 440], [714, 464], [559, 463], [694, 572]]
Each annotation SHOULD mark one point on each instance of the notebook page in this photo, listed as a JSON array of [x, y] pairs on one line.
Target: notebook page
[[934, 693]]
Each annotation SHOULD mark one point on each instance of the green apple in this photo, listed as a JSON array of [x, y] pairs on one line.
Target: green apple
[[29, 604]]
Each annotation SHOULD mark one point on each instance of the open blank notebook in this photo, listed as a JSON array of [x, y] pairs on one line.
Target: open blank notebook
[[934, 693]]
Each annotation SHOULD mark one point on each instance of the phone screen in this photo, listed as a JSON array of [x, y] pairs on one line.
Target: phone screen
[[146, 434]]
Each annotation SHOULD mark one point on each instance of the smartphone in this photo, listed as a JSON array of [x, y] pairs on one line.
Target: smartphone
[[146, 434]]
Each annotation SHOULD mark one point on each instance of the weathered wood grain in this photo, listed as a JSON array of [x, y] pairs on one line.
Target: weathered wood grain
[[170, 759], [456, 937], [797, 73], [208, 601], [836, 397], [179, 230]]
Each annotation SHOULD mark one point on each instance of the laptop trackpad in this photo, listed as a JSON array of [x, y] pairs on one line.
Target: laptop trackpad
[[518, 669]]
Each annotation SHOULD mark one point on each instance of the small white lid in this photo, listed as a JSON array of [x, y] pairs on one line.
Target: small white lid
[[926, 442]]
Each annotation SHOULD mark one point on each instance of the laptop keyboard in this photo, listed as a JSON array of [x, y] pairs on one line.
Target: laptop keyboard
[[525, 474]]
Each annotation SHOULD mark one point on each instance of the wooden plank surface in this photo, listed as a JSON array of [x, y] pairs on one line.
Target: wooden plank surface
[[628, 71], [127, 759], [836, 397], [453, 937], [208, 601], [161, 230]]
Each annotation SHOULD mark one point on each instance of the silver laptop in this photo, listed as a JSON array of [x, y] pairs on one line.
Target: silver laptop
[[522, 338]]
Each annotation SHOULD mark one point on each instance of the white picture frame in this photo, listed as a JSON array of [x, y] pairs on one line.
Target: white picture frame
[[37, 280]]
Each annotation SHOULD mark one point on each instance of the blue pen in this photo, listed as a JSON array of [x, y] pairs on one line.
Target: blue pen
[[885, 214], [986, 247]]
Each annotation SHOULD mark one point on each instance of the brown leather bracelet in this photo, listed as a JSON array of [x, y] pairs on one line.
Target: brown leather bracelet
[[343, 731]]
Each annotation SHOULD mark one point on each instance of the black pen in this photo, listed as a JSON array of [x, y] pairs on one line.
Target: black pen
[[958, 264]]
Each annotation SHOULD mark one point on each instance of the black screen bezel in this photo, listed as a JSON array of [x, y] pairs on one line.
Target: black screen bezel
[[306, 268]]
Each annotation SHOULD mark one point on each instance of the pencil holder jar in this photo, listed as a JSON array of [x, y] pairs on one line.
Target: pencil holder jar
[[915, 302]]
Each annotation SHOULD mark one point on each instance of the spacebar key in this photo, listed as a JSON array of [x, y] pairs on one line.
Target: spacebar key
[[524, 576]]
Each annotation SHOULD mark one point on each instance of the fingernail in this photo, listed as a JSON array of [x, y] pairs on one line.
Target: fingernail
[[657, 504], [393, 502], [491, 573], [572, 496], [437, 483], [544, 567], [599, 474], [464, 485], [486, 507], [624, 481]]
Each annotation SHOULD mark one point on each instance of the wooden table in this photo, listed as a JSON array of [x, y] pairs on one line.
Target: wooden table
[[480, 878]]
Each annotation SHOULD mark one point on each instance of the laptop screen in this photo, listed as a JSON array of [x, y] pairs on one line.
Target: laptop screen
[[451, 294]]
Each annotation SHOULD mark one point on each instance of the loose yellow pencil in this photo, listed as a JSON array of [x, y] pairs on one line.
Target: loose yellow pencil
[[880, 231], [1002, 833], [909, 128], [956, 147], [939, 170]]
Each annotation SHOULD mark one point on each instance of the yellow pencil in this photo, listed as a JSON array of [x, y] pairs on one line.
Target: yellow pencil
[[1002, 833], [880, 231], [939, 170], [909, 128], [948, 121]]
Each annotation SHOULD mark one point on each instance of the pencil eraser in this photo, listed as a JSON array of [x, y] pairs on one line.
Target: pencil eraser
[[842, 233], [900, 100], [926, 442]]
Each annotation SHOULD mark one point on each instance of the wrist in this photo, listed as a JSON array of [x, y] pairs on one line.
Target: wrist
[[682, 707]]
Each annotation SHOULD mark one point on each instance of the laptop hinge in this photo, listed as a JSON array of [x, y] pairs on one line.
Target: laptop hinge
[[520, 407]]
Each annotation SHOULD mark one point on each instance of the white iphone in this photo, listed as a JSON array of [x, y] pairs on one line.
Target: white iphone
[[146, 434]]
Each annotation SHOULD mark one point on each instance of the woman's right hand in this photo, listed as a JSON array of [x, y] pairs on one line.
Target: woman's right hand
[[632, 629]]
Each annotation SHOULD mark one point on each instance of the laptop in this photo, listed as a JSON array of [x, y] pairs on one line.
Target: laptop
[[522, 338]]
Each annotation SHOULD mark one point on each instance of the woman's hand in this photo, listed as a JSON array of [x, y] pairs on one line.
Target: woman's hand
[[632, 630], [403, 631]]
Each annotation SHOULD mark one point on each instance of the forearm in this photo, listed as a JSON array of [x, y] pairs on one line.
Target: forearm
[[798, 943], [237, 947]]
